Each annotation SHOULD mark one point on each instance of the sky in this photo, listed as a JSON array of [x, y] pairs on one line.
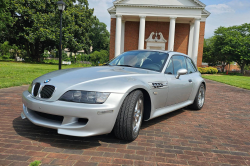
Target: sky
[[223, 13]]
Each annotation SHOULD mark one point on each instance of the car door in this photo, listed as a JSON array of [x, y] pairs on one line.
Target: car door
[[179, 90], [159, 90]]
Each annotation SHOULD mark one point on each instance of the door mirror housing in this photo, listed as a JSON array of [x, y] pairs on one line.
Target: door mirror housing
[[181, 72]]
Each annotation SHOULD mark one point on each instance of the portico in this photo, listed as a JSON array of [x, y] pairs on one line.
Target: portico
[[141, 24]]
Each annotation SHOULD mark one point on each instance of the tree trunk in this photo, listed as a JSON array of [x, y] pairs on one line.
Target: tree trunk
[[223, 68], [37, 52], [32, 49], [242, 67], [27, 49], [42, 51]]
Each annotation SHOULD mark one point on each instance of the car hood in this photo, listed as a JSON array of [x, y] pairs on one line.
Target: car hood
[[70, 77]]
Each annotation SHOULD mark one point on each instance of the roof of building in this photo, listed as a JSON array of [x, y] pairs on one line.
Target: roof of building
[[190, 4]]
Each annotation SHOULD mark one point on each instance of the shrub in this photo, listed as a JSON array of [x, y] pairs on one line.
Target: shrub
[[96, 58], [5, 49], [5, 57], [45, 54], [35, 163], [50, 61], [202, 70], [208, 70], [65, 57], [213, 70], [7, 60]]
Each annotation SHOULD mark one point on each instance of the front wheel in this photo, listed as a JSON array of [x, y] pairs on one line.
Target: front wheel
[[199, 99], [128, 122]]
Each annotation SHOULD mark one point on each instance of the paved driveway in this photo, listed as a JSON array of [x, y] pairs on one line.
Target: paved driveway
[[219, 134]]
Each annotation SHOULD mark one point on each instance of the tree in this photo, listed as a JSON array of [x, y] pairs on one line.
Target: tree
[[213, 55], [36, 26], [234, 44], [5, 49], [97, 57], [99, 35], [209, 55], [6, 19]]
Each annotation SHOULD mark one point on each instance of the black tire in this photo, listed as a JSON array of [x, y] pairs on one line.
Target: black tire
[[196, 105], [123, 128]]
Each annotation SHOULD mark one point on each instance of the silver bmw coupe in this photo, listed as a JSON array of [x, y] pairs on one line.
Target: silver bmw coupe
[[134, 87]]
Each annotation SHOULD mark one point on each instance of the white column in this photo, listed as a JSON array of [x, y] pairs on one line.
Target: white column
[[196, 39], [142, 32], [171, 33], [123, 36], [118, 35], [191, 39]]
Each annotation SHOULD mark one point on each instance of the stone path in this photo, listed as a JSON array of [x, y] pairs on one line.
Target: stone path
[[218, 135]]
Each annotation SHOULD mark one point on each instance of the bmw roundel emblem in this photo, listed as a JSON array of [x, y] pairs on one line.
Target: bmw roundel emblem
[[46, 81]]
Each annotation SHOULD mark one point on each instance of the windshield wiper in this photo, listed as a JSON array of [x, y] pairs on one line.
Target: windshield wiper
[[125, 65]]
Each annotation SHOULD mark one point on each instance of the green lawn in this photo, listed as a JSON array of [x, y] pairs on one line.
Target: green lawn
[[16, 74], [238, 81]]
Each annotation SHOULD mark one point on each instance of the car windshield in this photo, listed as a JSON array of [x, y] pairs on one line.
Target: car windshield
[[150, 60]]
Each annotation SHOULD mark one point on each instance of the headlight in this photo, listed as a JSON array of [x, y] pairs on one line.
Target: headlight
[[85, 97], [30, 88]]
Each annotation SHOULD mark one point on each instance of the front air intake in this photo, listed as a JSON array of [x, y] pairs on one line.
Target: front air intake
[[36, 89], [47, 91]]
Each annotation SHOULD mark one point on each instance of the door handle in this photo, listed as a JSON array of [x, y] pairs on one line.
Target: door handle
[[190, 80]]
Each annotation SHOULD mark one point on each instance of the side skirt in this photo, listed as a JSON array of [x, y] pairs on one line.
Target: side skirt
[[169, 109]]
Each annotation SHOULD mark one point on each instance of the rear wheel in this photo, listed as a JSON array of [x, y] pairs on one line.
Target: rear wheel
[[128, 122], [199, 99]]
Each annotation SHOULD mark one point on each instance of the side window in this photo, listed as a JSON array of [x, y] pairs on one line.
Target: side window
[[170, 67], [179, 63], [190, 66]]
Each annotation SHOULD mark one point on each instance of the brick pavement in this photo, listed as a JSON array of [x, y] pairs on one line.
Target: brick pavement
[[217, 135]]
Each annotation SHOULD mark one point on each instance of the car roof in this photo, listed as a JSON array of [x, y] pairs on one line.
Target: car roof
[[152, 51], [166, 51]]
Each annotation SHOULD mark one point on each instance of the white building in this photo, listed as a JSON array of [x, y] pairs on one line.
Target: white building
[[175, 25]]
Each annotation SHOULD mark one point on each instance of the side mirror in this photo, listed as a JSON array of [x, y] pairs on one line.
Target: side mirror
[[181, 72]]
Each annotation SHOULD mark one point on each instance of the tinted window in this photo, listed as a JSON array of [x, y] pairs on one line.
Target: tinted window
[[170, 67], [190, 66], [151, 60], [179, 63], [195, 68]]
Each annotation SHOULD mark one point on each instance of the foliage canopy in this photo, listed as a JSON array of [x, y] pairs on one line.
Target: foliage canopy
[[228, 45], [34, 25]]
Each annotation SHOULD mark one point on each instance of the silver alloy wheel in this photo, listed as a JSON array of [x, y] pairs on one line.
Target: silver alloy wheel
[[137, 116], [201, 97]]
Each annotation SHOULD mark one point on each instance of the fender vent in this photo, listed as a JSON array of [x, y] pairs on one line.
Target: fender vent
[[157, 85]]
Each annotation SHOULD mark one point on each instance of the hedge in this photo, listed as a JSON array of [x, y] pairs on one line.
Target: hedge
[[208, 70]]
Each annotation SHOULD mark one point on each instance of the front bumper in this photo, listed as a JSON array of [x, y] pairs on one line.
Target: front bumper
[[100, 118]]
